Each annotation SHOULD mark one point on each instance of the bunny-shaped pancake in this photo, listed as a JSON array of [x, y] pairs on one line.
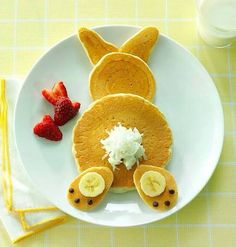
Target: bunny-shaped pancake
[[122, 141], [122, 70]]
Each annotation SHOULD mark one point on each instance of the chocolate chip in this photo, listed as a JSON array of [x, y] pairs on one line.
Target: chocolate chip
[[71, 190], [171, 192], [155, 204], [77, 200], [167, 203], [90, 201]]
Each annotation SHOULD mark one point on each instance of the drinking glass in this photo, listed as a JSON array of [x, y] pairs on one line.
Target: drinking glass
[[216, 21]]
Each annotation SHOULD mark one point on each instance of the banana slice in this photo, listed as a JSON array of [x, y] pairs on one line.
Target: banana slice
[[156, 186], [90, 187], [153, 183], [91, 184]]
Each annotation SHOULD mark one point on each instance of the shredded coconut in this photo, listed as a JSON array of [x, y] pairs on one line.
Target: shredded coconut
[[123, 145]]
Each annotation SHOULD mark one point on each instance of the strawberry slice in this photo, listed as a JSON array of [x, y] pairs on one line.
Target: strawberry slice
[[58, 90], [65, 110], [48, 129]]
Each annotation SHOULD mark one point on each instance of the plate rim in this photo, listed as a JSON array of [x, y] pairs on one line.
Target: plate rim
[[221, 130]]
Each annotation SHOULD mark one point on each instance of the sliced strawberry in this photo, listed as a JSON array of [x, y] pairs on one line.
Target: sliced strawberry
[[58, 90], [76, 105], [48, 129], [49, 96], [65, 110]]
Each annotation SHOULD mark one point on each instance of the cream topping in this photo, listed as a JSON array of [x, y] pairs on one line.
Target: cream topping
[[123, 145]]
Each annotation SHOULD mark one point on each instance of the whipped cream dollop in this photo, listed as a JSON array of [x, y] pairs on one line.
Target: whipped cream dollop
[[123, 145]]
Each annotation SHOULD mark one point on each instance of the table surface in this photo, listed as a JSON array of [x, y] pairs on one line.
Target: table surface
[[28, 28]]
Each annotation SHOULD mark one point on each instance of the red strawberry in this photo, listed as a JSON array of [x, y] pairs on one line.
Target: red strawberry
[[65, 110], [48, 129], [58, 90]]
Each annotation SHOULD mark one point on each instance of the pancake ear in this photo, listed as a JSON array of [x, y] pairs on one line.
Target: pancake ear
[[141, 43], [95, 46]]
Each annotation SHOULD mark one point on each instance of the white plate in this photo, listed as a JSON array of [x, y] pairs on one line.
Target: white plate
[[185, 94]]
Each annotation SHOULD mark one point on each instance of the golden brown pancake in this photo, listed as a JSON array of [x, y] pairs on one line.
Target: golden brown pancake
[[80, 201], [121, 73], [131, 111], [141, 43], [95, 46], [165, 200]]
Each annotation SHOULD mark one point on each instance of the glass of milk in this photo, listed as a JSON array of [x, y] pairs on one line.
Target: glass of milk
[[216, 21]]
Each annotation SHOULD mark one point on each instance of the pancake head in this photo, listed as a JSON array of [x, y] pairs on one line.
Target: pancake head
[[121, 73]]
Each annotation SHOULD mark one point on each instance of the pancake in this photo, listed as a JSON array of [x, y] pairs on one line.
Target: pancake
[[131, 111], [165, 200], [95, 46], [141, 43], [75, 194], [121, 73]]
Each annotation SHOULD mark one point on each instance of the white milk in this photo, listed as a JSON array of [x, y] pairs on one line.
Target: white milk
[[217, 21]]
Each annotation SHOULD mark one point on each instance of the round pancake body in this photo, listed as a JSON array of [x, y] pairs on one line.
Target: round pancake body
[[121, 73], [131, 111]]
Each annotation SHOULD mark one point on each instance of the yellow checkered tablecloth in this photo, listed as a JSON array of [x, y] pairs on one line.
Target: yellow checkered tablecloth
[[28, 28]]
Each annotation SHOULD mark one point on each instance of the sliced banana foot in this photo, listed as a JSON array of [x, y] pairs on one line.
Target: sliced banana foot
[[156, 186], [90, 187]]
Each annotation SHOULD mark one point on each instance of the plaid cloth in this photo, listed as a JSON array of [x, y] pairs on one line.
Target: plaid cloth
[[28, 28]]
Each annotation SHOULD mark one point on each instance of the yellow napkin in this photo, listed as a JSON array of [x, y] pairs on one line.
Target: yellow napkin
[[23, 211]]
